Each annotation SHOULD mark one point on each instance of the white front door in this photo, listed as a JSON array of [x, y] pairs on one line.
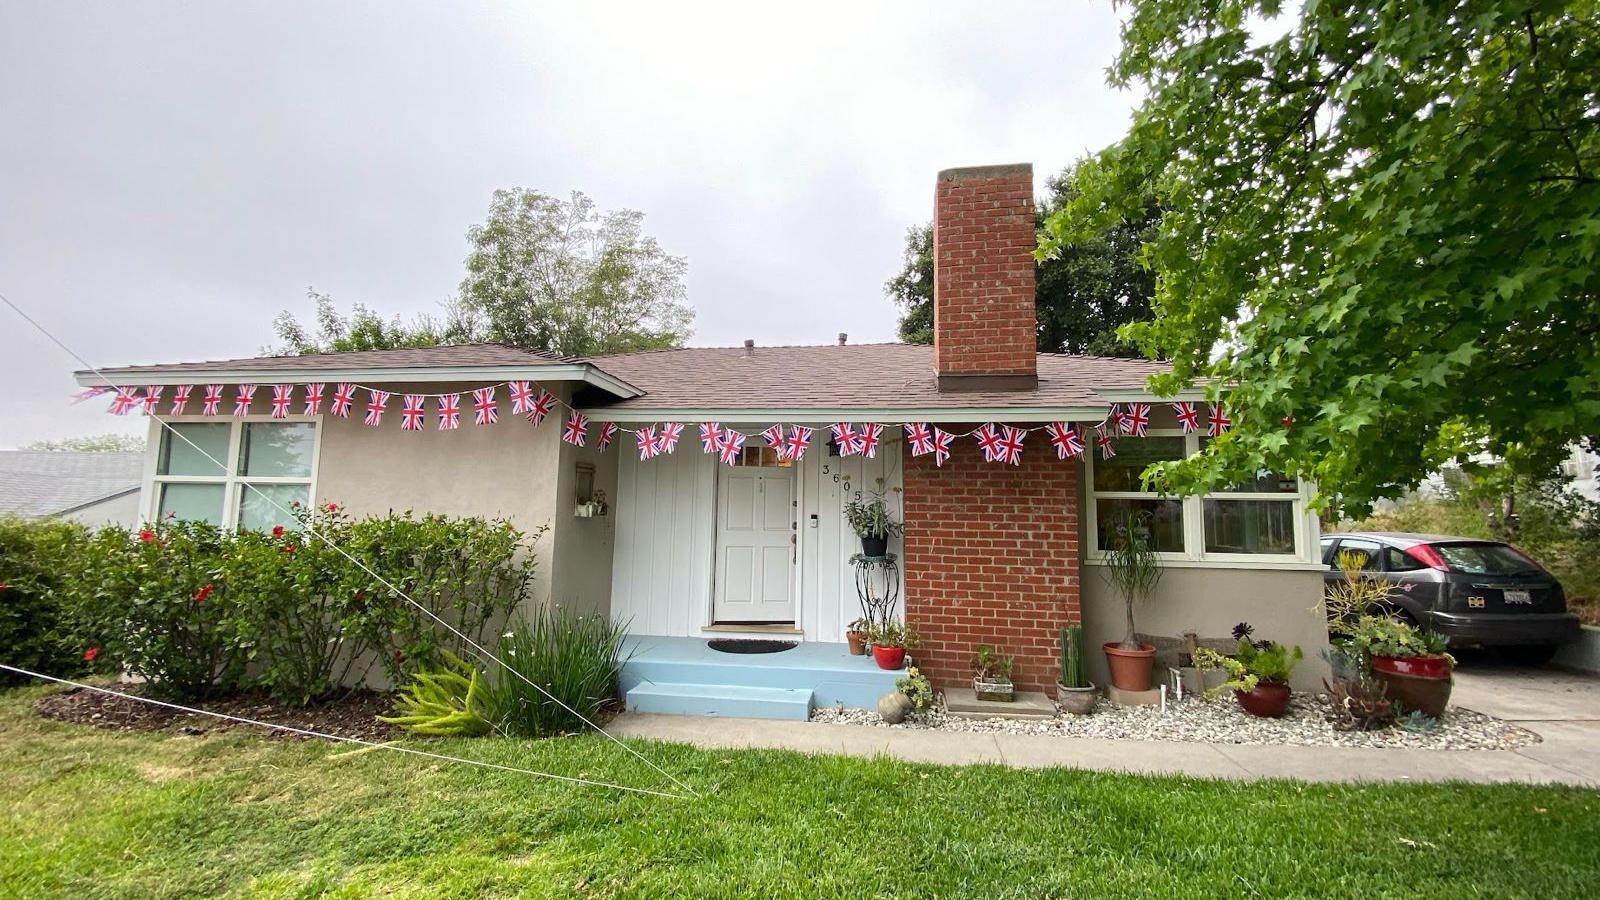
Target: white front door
[[755, 540]]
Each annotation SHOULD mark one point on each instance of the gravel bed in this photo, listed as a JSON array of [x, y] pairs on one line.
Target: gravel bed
[[1220, 721]]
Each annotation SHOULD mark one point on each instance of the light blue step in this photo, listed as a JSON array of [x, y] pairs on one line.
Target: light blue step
[[731, 700], [827, 670]]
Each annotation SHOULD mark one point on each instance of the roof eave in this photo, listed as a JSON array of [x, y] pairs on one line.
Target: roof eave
[[825, 415], [585, 373]]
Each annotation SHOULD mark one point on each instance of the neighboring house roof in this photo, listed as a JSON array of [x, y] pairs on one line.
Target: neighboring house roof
[[37, 483]]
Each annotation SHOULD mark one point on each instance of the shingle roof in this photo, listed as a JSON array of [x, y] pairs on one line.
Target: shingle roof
[[864, 376], [46, 482], [415, 358]]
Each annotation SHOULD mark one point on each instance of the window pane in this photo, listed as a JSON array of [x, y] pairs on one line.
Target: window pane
[[277, 448], [1249, 526], [1121, 472], [1485, 559], [192, 502], [259, 506], [186, 452], [1365, 552], [1162, 518]]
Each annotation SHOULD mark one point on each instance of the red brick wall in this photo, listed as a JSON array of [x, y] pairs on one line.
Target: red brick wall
[[983, 240], [991, 556]]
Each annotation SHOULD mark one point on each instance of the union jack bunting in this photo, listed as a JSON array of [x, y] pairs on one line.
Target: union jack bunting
[[729, 445], [541, 406], [941, 446], [774, 438], [1219, 421], [180, 398], [484, 410], [241, 400], [212, 400], [1121, 419], [849, 440], [868, 437], [576, 431], [313, 398], [647, 442], [607, 432], [124, 402], [1102, 436], [795, 444], [344, 396], [375, 403], [710, 432], [1011, 439], [521, 397], [988, 438], [1138, 417], [667, 437], [412, 413], [152, 397], [919, 437], [1065, 438], [282, 396], [449, 411], [1188, 416]]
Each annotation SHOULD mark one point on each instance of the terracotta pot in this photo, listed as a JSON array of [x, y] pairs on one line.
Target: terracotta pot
[[1268, 700], [1425, 666], [1419, 692], [1078, 701], [857, 642], [889, 657], [1130, 669]]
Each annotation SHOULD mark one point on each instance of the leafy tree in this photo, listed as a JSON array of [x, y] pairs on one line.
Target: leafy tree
[[365, 329], [95, 443], [558, 275], [1382, 229], [1084, 291]]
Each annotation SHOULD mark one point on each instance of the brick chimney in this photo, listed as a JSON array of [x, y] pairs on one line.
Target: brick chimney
[[983, 307]]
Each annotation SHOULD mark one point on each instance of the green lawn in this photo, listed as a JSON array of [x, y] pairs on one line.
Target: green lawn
[[89, 813]]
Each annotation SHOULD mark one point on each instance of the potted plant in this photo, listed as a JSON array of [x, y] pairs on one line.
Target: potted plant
[[869, 518], [1258, 672], [1074, 692], [1134, 572], [1411, 662], [991, 678], [890, 641], [855, 634]]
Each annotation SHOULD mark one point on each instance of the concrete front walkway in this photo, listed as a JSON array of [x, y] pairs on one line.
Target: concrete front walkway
[[1563, 708]]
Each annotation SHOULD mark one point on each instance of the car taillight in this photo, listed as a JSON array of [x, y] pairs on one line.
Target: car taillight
[[1425, 554]]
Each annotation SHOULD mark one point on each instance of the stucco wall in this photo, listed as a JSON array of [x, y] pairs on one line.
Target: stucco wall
[[582, 548], [123, 509]]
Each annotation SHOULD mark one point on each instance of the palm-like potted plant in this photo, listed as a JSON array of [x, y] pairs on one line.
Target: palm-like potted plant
[[1258, 672], [991, 675], [1075, 692], [1134, 572], [869, 518]]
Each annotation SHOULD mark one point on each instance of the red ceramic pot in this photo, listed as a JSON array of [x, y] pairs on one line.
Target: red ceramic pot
[[889, 657], [1268, 699], [1421, 666]]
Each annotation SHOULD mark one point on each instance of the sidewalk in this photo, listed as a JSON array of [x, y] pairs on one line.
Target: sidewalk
[[1563, 709]]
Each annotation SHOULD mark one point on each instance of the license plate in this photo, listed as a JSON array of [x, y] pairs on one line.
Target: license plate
[[1518, 597]]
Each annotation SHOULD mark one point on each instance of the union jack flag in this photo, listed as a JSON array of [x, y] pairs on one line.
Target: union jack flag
[[541, 406], [988, 438], [152, 397], [449, 411], [849, 440], [375, 403], [1010, 449], [521, 398], [774, 438], [920, 438], [124, 402], [313, 396], [710, 434], [282, 396], [1102, 436], [794, 446], [1138, 418], [1188, 416], [941, 446], [667, 437], [412, 413], [212, 400], [484, 410], [607, 432], [576, 431], [1065, 438], [868, 437], [241, 400], [180, 398], [344, 396], [1120, 418], [647, 442], [1219, 421], [729, 444]]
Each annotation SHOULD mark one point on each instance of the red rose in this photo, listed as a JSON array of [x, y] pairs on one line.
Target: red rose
[[204, 593], [333, 507], [146, 535], [277, 531], [288, 548], [91, 653]]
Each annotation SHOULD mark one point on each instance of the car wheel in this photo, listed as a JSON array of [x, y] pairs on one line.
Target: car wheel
[[1529, 655]]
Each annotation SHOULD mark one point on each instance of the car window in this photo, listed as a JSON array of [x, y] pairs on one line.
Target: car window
[[1397, 561], [1366, 551], [1327, 550], [1485, 559]]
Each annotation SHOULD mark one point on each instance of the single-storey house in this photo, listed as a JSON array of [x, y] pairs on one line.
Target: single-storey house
[[88, 487], [662, 518]]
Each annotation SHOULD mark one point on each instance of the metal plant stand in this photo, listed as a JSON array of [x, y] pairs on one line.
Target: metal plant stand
[[877, 586]]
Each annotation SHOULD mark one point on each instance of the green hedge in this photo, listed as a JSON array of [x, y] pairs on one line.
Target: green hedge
[[34, 631]]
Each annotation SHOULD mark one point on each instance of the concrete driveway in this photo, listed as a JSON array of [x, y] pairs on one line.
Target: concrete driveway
[[1562, 707]]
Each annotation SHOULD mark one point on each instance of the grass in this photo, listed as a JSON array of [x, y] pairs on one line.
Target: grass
[[89, 813]]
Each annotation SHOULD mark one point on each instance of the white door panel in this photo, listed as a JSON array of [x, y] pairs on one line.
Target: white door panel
[[755, 544]]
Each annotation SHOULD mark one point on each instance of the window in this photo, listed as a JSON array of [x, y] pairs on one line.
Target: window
[[1263, 517], [1397, 561], [765, 457], [243, 472], [1367, 553]]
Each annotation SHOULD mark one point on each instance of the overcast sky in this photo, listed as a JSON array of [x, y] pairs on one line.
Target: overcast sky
[[173, 175]]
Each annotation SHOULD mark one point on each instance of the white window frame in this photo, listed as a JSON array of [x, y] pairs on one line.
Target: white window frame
[[1306, 527], [232, 482]]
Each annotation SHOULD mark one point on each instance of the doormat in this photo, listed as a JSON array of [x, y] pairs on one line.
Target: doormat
[[749, 645]]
